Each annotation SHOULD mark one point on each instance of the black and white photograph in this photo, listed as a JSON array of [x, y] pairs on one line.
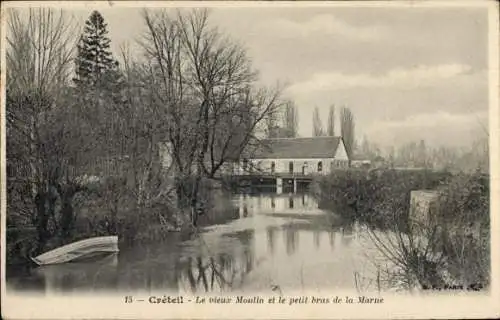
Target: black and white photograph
[[249, 159]]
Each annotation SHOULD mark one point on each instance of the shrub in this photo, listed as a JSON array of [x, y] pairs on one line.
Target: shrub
[[377, 197], [451, 250], [463, 223]]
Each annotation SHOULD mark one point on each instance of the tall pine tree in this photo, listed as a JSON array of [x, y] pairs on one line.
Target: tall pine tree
[[100, 86], [95, 60]]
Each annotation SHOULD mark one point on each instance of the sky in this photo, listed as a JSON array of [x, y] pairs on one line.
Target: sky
[[407, 73]]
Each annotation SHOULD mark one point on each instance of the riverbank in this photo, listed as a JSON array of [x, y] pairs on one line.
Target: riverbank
[[451, 251], [109, 207], [290, 247]]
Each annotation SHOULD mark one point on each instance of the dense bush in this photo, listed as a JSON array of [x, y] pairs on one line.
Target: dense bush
[[378, 197], [452, 249], [110, 207], [463, 226]]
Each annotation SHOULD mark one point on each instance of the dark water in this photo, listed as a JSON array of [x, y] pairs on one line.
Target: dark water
[[278, 243]]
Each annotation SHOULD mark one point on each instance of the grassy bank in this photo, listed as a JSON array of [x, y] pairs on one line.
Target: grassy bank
[[451, 251], [108, 207]]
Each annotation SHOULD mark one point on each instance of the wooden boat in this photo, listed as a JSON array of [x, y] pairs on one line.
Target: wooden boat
[[81, 250]]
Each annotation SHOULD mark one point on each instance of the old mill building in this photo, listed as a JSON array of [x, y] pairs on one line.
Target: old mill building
[[295, 156]]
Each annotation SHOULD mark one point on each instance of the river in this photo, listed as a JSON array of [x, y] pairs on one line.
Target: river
[[277, 243]]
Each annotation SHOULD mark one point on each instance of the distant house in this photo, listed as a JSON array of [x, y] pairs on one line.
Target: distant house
[[315, 155]]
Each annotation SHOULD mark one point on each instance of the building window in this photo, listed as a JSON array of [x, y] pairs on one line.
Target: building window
[[273, 167], [320, 166], [290, 167]]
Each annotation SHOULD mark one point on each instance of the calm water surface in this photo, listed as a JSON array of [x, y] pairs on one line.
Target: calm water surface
[[278, 243]]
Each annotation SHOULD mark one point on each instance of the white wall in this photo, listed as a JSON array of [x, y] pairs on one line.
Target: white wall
[[282, 165], [341, 153]]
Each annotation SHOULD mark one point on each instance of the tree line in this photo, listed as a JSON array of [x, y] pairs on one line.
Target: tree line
[[192, 93], [420, 155], [288, 126]]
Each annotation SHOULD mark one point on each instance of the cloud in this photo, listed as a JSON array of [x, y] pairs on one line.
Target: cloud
[[432, 102], [419, 76], [439, 128], [436, 119], [325, 24]]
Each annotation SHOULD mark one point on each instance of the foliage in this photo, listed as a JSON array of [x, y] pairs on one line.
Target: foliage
[[41, 153], [347, 126], [91, 160], [463, 226], [290, 120], [373, 196], [205, 85], [317, 125], [288, 128], [419, 154], [452, 249], [94, 58], [331, 121]]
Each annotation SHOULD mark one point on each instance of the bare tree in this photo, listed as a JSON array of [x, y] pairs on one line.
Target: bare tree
[[317, 126], [422, 154], [43, 151], [290, 119], [208, 88], [347, 129], [331, 121], [271, 126]]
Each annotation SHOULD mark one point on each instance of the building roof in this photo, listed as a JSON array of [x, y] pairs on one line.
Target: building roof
[[297, 148]]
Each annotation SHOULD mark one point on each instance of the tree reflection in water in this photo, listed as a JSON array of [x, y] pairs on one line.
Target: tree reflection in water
[[331, 235], [347, 234], [224, 271], [271, 238], [220, 273], [76, 276], [316, 236], [291, 239]]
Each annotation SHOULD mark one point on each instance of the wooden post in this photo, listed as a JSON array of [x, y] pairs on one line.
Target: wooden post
[[294, 185]]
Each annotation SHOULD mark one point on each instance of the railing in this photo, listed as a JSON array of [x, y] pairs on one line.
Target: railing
[[277, 174]]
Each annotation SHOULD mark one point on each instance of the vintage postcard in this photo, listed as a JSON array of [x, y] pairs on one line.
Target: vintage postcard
[[235, 160]]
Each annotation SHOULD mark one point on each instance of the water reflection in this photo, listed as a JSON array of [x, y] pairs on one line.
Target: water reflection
[[317, 238], [73, 277], [271, 236], [274, 239]]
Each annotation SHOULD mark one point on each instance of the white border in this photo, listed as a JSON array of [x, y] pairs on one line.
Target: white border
[[398, 306]]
